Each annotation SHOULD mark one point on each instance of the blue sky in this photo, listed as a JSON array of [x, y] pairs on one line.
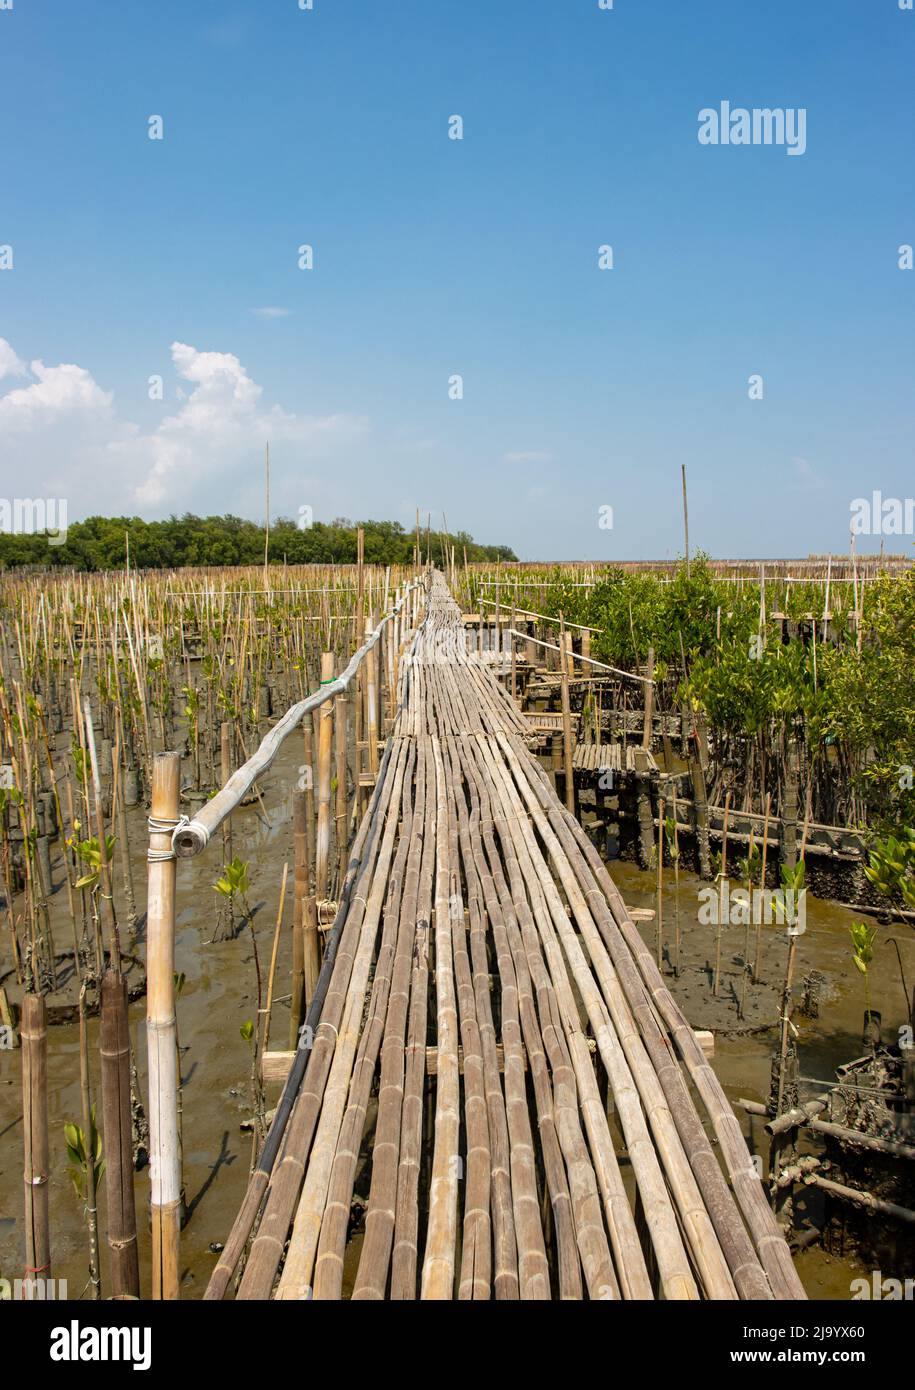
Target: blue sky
[[479, 257]]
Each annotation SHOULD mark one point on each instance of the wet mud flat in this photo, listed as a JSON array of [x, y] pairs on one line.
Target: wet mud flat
[[219, 996]]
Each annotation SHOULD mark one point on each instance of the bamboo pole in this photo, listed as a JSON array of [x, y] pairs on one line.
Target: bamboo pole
[[660, 912], [86, 1105], [341, 834], [566, 722], [165, 1169], [114, 1045], [324, 721], [649, 701], [301, 890], [371, 704], [34, 1043]]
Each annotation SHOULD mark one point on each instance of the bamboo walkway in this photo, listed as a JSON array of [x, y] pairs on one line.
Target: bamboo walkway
[[573, 1141]]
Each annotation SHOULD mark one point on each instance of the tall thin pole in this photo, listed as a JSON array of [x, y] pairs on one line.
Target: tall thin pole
[[569, 772], [301, 888], [161, 1029], [324, 718], [266, 510], [685, 516], [34, 1039]]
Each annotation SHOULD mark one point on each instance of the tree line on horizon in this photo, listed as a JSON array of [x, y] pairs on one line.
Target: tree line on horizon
[[101, 543]]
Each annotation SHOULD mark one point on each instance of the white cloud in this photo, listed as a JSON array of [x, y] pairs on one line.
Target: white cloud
[[529, 456], [56, 391], [206, 455], [221, 423], [806, 477], [10, 365], [270, 311]]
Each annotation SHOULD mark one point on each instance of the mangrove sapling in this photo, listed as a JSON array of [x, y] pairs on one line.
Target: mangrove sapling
[[249, 1033], [891, 866], [192, 714], [234, 884], [862, 942]]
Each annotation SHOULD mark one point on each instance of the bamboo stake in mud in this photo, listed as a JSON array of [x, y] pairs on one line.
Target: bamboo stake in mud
[[676, 857], [324, 719], [91, 1199], [34, 1040], [341, 722], [649, 701], [114, 1048], [268, 1007], [123, 836], [165, 1168], [301, 887], [660, 933], [513, 659], [762, 886], [105, 891], [722, 894]]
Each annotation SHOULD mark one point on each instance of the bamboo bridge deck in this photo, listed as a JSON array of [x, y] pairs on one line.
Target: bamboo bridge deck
[[573, 1140]]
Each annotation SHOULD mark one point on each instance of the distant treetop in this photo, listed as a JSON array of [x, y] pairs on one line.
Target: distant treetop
[[98, 543]]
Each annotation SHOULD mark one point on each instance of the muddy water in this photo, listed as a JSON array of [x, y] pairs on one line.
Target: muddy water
[[743, 1058], [219, 996]]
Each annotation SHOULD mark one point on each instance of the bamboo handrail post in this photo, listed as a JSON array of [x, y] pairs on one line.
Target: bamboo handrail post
[[324, 719], [371, 705], [165, 1168], [341, 725]]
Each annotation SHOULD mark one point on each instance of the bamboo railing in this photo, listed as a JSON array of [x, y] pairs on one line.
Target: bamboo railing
[[173, 837]]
